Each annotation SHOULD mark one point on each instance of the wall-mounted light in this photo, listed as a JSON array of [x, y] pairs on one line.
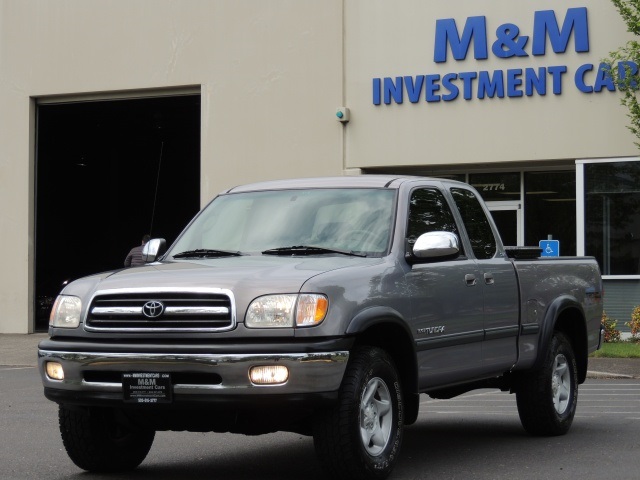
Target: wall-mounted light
[[342, 114]]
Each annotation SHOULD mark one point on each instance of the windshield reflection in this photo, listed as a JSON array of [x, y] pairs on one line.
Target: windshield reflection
[[352, 220]]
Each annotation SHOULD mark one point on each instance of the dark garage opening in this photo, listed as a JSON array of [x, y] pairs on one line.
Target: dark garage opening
[[108, 172]]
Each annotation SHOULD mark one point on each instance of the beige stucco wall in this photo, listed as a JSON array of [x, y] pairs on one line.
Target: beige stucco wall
[[270, 73], [389, 39]]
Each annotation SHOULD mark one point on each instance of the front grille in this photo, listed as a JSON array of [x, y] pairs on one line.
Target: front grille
[[161, 311]]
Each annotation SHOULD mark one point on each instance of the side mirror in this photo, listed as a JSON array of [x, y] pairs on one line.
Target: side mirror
[[433, 245], [153, 249]]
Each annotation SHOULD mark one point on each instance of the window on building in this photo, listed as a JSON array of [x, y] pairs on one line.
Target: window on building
[[496, 187], [550, 208], [501, 192], [612, 215]]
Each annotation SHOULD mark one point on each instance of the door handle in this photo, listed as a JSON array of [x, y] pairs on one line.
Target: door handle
[[470, 279], [488, 279]]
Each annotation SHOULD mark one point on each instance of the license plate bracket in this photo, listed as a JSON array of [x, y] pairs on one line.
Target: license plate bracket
[[147, 387]]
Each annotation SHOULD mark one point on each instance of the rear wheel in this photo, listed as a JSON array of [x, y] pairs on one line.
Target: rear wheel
[[361, 437], [96, 442], [547, 397]]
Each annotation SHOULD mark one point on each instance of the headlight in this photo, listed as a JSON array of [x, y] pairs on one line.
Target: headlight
[[66, 312], [286, 311]]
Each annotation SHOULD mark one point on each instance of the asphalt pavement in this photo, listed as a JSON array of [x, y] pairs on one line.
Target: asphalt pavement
[[21, 350]]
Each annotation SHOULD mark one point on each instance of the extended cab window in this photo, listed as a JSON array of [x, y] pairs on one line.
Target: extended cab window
[[429, 212], [483, 243]]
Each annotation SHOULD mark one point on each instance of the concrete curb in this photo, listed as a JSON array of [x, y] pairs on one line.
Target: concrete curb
[[593, 374]]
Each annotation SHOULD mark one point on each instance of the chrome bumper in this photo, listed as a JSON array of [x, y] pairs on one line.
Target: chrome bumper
[[308, 372]]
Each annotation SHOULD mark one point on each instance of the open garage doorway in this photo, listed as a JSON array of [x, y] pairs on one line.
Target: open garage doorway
[[107, 173]]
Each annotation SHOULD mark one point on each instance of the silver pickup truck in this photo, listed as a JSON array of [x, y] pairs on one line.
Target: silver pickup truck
[[322, 306]]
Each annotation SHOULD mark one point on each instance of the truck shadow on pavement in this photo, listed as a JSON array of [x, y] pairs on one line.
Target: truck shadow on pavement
[[277, 460], [432, 448], [488, 447]]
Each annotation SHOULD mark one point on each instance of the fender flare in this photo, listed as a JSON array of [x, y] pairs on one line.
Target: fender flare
[[375, 315], [559, 305], [372, 316]]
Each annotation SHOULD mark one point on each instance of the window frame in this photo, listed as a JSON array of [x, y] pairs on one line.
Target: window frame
[[443, 192], [581, 207], [498, 247]]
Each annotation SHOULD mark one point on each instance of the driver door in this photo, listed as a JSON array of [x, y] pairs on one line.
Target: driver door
[[446, 299]]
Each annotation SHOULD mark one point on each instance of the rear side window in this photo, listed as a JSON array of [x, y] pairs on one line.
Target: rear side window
[[483, 242], [429, 212]]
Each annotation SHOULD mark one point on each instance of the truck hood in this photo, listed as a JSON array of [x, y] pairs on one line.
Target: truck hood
[[265, 274]]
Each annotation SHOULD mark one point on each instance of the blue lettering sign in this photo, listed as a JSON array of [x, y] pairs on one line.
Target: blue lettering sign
[[535, 81], [556, 73], [545, 25], [431, 87], [447, 82], [514, 82], [467, 79], [391, 89], [447, 34], [377, 85], [603, 79], [414, 88], [509, 42], [579, 78], [491, 85]]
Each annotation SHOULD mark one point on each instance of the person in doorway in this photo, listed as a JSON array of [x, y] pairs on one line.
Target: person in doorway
[[135, 255]]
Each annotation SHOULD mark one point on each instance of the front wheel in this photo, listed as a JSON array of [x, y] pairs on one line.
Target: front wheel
[[547, 397], [96, 442], [361, 437]]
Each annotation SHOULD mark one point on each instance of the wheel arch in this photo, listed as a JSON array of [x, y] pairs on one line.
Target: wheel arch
[[385, 328], [567, 316]]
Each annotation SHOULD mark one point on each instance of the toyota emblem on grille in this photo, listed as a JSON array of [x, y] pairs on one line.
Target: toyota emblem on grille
[[153, 309]]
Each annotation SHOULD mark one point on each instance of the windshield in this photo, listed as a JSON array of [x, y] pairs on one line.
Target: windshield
[[352, 220]]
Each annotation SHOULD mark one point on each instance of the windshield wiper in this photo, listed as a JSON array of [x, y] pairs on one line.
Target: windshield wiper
[[309, 250], [206, 253]]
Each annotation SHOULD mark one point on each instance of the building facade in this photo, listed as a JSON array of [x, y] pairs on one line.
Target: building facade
[[508, 95]]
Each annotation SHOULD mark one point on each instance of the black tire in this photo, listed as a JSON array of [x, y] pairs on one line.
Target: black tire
[[361, 437], [547, 397], [96, 442]]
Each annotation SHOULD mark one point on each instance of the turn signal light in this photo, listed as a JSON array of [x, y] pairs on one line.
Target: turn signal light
[[311, 309]]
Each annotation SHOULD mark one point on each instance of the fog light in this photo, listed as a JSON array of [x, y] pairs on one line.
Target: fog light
[[269, 374], [54, 371]]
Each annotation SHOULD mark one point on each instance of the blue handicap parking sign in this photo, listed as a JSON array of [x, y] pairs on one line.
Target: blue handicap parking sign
[[550, 248]]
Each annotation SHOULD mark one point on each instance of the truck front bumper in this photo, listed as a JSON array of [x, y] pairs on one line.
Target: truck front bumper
[[95, 377]]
